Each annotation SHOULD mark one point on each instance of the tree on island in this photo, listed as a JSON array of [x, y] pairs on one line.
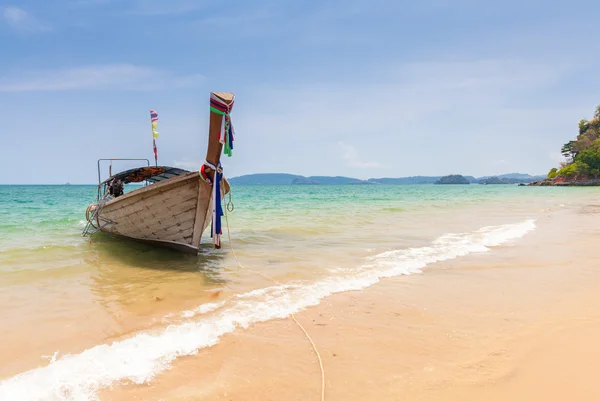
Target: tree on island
[[583, 154], [453, 179], [568, 150]]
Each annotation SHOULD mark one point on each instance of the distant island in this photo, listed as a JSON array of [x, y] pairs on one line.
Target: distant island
[[582, 158], [453, 180], [292, 179]]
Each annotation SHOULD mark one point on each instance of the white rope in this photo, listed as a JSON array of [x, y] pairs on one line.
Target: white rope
[[291, 315], [212, 166]]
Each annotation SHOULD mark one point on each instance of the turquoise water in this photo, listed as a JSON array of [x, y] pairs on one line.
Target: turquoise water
[[112, 297], [42, 215], [39, 222], [47, 219]]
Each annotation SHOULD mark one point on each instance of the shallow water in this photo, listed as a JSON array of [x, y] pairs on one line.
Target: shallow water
[[79, 315]]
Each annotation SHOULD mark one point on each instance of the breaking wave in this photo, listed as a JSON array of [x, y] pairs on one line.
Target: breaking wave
[[138, 359]]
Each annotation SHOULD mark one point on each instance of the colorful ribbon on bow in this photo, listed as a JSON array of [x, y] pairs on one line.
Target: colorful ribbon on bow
[[217, 208], [227, 134]]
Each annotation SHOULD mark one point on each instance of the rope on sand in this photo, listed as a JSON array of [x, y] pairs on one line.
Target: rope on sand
[[291, 315]]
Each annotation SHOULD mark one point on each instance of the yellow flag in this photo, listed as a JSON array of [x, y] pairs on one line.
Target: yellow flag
[[154, 132]]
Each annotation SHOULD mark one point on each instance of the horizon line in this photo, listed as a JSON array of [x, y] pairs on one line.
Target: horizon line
[[306, 176]]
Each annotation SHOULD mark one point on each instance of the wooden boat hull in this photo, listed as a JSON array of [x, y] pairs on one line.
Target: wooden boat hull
[[172, 213]]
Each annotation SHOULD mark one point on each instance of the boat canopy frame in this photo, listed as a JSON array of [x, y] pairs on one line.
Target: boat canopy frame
[[148, 174]]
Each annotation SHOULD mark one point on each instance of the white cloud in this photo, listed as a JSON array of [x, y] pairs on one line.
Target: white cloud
[[350, 156], [187, 164], [348, 151], [147, 7], [21, 21], [244, 22], [15, 15], [161, 7], [111, 76], [557, 157], [88, 3]]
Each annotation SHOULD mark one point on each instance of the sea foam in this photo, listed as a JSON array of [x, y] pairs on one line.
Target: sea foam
[[138, 359]]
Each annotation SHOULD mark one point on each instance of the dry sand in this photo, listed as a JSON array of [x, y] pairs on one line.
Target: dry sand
[[521, 322]]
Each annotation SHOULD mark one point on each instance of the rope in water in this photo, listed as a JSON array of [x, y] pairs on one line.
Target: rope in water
[[284, 289]]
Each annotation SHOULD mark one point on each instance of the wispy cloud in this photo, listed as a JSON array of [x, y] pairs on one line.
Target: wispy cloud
[[89, 3], [557, 157], [21, 21], [350, 156], [146, 7], [96, 77], [185, 163], [161, 7], [234, 21]]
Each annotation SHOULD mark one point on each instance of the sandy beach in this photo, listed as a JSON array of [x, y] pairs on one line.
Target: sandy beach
[[518, 323]]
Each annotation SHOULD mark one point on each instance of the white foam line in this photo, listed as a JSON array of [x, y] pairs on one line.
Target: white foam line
[[138, 359], [199, 310], [202, 309]]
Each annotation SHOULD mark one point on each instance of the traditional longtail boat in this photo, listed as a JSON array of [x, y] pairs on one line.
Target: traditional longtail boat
[[175, 206]]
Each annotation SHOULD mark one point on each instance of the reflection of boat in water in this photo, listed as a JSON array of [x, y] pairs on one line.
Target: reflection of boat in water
[[175, 206], [109, 250], [134, 283]]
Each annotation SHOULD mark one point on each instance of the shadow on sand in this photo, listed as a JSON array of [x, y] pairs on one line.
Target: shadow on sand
[[106, 248], [126, 272]]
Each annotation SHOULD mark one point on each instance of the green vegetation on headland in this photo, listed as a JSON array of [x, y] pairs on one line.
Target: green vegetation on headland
[[291, 179], [582, 164]]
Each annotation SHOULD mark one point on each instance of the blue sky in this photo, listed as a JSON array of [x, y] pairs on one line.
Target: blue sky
[[360, 88]]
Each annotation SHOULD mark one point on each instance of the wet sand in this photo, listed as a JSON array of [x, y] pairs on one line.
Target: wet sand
[[521, 322]]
